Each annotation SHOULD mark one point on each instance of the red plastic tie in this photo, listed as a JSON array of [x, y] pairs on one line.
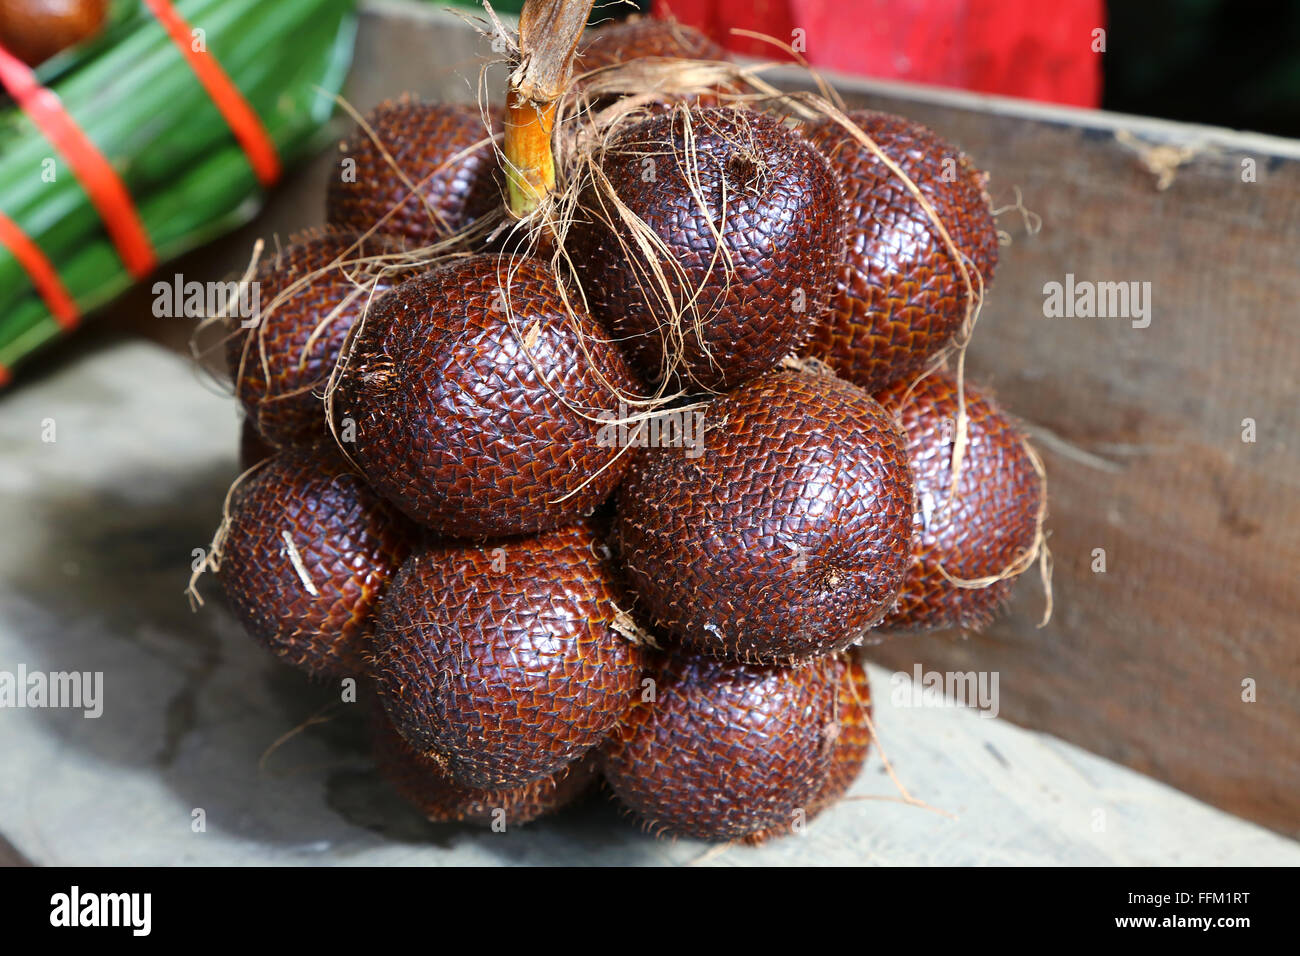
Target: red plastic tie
[[42, 273], [239, 116], [96, 175]]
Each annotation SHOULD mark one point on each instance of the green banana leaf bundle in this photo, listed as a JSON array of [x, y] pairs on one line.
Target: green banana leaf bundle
[[133, 93]]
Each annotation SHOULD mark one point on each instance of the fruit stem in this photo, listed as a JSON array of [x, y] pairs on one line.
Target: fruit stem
[[530, 165], [549, 31]]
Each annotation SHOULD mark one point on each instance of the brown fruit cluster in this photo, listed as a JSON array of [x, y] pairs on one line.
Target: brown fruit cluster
[[788, 538], [900, 295], [306, 553], [988, 524], [419, 171], [311, 293], [585, 514], [748, 219], [637, 37], [477, 396], [505, 664], [424, 783]]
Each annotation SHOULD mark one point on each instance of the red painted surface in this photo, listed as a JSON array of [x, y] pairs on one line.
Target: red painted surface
[[1036, 49]]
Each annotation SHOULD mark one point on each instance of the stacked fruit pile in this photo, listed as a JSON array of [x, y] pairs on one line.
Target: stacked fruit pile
[[618, 504]]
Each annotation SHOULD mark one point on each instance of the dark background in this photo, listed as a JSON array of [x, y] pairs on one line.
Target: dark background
[[1225, 62]]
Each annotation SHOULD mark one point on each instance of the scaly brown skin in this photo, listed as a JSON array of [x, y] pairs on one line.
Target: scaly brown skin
[[423, 783], [502, 662], [899, 296], [726, 751], [444, 150], [280, 366], [637, 37], [851, 737], [478, 421], [350, 543], [774, 201], [787, 537], [985, 529]]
